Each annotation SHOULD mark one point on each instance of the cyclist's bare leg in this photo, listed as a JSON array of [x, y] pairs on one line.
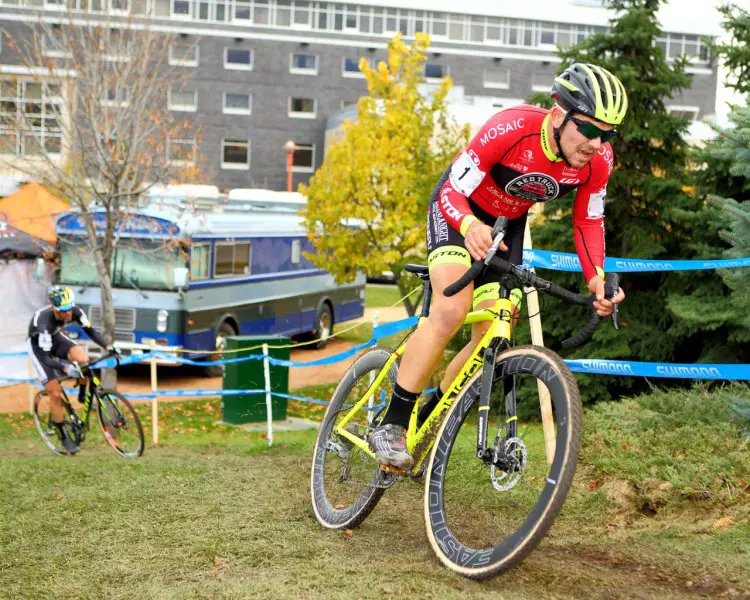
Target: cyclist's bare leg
[[426, 346], [55, 398], [78, 354], [477, 332]]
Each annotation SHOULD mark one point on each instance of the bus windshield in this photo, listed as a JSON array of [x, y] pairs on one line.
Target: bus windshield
[[138, 263]]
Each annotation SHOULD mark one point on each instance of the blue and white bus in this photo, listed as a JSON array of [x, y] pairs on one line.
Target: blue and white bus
[[185, 279]]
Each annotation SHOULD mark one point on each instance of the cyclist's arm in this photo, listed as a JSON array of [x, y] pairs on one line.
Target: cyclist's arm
[[588, 217], [43, 353], [85, 324]]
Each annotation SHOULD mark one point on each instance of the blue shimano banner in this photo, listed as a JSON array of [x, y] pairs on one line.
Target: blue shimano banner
[[563, 261], [668, 370]]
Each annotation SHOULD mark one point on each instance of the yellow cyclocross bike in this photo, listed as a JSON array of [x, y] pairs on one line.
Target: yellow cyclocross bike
[[494, 480]]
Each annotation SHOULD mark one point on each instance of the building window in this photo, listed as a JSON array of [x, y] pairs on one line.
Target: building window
[[183, 54], [302, 108], [183, 100], [497, 77], [116, 97], [181, 8], [306, 64], [182, 152], [541, 82], [237, 103], [351, 67], [200, 255], [232, 259], [685, 112], [235, 154], [238, 58], [29, 119], [53, 44], [302, 14], [303, 160], [435, 71]]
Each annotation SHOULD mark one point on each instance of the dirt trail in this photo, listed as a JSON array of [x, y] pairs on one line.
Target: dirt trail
[[136, 379]]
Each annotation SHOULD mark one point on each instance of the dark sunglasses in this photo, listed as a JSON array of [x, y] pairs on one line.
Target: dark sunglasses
[[591, 131]]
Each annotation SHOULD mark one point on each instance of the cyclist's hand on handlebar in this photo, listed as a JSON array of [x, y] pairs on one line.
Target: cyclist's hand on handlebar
[[479, 239], [603, 306], [72, 371]]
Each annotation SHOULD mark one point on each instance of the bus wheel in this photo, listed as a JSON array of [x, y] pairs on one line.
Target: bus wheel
[[323, 326], [222, 333]]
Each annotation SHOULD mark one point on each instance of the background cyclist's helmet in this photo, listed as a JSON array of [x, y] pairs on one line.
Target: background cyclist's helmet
[[62, 298], [592, 91]]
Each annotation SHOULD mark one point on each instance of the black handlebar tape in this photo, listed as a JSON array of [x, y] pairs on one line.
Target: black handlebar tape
[[466, 279], [611, 286], [583, 335]]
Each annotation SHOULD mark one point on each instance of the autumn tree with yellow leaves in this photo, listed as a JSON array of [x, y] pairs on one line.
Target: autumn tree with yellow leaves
[[367, 203]]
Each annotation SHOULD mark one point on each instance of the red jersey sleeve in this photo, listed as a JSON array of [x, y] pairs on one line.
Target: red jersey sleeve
[[588, 213], [471, 166]]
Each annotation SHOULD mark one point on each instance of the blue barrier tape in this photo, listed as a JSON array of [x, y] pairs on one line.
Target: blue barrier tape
[[563, 261], [668, 370]]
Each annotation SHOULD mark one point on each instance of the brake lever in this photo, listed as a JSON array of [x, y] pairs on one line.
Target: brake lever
[[611, 287], [498, 233]]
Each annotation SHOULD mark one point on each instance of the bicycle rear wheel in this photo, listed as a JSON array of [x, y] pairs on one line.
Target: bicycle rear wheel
[[120, 424], [43, 421], [347, 483], [484, 516]]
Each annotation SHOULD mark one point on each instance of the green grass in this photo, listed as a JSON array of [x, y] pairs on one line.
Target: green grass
[[212, 512], [379, 295], [685, 439]]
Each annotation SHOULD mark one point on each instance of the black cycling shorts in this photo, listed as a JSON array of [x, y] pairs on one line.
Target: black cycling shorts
[[446, 245]]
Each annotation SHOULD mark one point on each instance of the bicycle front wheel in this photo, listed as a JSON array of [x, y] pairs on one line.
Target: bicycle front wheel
[[346, 483], [120, 424], [484, 515]]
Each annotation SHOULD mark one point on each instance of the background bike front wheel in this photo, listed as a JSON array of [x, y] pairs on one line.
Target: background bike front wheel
[[484, 516], [120, 424]]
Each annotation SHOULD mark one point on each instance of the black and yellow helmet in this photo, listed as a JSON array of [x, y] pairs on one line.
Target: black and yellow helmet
[[62, 298], [592, 91]]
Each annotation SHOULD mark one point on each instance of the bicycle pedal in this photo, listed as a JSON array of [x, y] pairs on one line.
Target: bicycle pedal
[[393, 470]]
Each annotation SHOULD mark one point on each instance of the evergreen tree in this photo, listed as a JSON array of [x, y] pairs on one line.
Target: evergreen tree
[[735, 53], [645, 189], [712, 317]]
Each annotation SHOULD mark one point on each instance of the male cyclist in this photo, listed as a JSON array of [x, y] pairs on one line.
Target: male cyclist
[[48, 345], [520, 156]]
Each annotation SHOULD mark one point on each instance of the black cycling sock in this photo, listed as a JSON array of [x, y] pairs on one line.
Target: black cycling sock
[[426, 409], [399, 410]]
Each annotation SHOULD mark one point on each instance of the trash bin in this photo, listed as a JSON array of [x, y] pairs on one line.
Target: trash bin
[[249, 375]]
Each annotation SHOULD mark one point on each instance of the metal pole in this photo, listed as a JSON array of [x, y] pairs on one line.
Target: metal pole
[[155, 399], [269, 409]]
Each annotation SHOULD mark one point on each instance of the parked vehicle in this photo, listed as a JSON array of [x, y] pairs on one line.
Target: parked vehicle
[[185, 279]]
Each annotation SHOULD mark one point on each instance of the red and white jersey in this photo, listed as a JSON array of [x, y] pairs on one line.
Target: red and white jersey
[[509, 166]]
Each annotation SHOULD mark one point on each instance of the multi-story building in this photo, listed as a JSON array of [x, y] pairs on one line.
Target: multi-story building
[[262, 72]]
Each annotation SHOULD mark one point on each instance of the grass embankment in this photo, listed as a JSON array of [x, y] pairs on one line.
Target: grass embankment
[[213, 512]]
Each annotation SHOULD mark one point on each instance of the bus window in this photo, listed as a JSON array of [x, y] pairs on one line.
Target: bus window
[[199, 261], [232, 259], [77, 264], [146, 264]]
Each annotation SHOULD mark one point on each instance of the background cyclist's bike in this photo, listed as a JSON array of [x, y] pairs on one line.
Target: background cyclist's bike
[[118, 420], [496, 477]]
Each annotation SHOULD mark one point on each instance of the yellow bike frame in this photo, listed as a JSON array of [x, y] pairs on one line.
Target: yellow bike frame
[[419, 441]]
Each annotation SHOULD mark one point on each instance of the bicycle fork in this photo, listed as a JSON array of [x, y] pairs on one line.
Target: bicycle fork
[[488, 455]]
